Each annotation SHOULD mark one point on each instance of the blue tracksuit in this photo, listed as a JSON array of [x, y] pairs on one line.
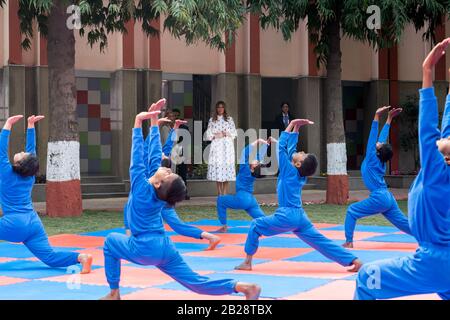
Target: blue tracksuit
[[166, 149], [381, 199], [168, 213], [20, 223], [243, 199], [290, 215], [427, 271], [445, 126], [149, 244]]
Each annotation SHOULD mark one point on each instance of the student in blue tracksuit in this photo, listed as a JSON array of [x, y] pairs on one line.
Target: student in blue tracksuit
[[427, 271], [148, 244], [244, 199], [166, 150], [168, 213], [295, 167], [20, 223], [381, 200]]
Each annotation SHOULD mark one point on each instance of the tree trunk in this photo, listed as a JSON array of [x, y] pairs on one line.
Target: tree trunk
[[337, 181], [63, 159]]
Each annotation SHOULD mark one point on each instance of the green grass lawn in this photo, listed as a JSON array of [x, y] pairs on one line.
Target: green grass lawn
[[93, 221]]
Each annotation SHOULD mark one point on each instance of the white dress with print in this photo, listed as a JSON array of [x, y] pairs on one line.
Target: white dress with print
[[221, 160]]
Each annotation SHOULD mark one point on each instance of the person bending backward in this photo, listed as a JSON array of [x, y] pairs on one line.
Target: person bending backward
[[20, 222], [244, 199], [168, 213], [295, 167], [427, 271], [381, 200], [148, 244]]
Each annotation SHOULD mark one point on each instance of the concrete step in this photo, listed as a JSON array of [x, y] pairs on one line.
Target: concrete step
[[103, 187], [105, 195]]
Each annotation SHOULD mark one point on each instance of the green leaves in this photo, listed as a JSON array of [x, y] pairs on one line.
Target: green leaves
[[193, 20], [352, 16], [210, 20]]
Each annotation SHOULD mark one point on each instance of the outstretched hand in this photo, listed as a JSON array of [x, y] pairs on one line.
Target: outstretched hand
[[382, 109], [394, 113], [301, 122], [157, 106], [161, 121], [14, 119], [145, 116], [179, 122], [435, 55], [33, 119], [260, 141], [271, 140], [11, 121]]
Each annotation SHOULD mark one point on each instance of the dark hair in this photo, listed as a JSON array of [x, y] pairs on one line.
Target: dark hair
[[172, 191], [225, 114], [385, 153], [166, 162], [309, 165], [257, 171], [27, 167], [285, 103], [176, 110]]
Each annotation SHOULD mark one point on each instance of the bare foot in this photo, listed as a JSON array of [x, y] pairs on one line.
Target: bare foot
[[222, 229], [348, 245], [244, 266], [253, 292], [113, 295], [128, 232], [86, 262], [250, 290], [213, 242], [356, 265]]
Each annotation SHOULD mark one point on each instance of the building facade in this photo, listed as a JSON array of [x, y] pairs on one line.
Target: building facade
[[257, 73]]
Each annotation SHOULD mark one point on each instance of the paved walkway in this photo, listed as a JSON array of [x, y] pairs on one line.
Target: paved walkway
[[309, 196]]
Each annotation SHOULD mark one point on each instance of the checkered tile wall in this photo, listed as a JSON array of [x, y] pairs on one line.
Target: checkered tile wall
[[354, 125], [181, 98], [93, 108]]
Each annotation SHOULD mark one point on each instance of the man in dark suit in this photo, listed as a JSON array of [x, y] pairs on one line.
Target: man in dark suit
[[283, 118], [181, 168]]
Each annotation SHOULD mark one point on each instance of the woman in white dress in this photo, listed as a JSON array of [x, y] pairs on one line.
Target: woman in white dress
[[221, 162]]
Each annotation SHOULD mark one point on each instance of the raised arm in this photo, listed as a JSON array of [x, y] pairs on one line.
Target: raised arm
[[138, 168], [296, 124], [373, 135], [262, 151], [283, 155], [168, 145], [31, 134], [5, 165], [155, 149], [431, 60], [384, 135], [172, 137], [430, 157], [137, 164], [245, 155]]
